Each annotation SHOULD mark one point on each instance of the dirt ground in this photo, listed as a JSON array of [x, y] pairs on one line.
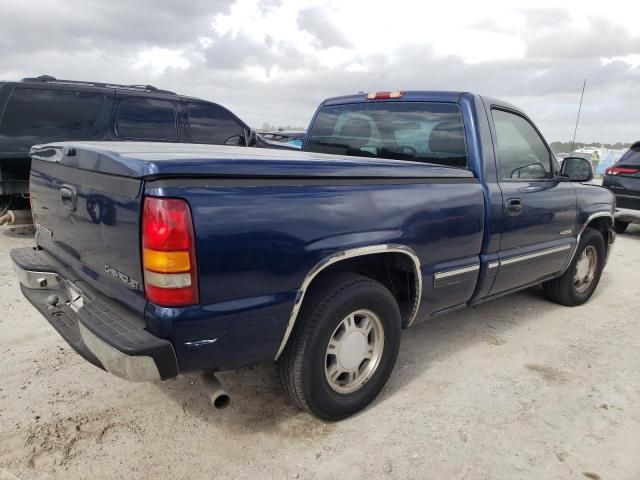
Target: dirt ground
[[518, 388]]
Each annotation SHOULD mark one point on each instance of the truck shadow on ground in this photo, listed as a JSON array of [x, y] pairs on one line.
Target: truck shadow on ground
[[260, 405], [23, 231]]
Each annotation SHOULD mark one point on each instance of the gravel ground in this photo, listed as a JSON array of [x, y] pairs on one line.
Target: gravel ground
[[516, 388]]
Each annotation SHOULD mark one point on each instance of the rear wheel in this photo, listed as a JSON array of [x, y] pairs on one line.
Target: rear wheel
[[580, 280], [619, 226], [344, 346]]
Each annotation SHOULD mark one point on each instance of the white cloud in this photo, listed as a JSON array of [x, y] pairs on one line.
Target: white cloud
[[157, 60], [274, 61]]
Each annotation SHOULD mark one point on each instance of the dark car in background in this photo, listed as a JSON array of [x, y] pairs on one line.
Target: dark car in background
[[45, 109], [623, 179]]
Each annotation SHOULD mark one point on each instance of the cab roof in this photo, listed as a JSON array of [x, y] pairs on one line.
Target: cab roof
[[408, 96], [420, 96]]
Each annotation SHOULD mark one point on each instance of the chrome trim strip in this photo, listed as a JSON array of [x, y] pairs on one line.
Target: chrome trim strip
[[344, 255], [584, 226], [541, 253], [495, 264], [456, 272]]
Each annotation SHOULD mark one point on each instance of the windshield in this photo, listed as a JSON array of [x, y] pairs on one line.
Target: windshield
[[417, 131]]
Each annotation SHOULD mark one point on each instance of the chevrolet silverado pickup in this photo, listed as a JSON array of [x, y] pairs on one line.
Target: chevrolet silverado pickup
[[153, 260]]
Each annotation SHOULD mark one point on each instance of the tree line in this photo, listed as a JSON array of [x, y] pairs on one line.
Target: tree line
[[565, 147]]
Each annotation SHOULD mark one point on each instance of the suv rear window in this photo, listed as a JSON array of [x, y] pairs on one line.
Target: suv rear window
[[147, 119], [630, 158], [416, 131], [63, 114]]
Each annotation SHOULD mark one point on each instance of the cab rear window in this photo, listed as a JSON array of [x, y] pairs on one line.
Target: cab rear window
[[425, 132]]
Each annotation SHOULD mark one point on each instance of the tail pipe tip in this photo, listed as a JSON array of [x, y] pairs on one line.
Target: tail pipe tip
[[218, 396]]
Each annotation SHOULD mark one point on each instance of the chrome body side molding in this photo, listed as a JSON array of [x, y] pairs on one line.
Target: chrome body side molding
[[451, 277], [345, 255], [456, 272], [529, 256]]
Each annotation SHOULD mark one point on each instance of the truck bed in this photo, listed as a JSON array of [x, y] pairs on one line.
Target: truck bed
[[263, 219]]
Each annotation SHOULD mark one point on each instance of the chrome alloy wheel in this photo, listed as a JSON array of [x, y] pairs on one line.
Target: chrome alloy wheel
[[354, 351], [585, 270]]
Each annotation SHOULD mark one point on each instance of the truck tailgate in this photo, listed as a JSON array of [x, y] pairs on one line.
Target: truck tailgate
[[90, 221]]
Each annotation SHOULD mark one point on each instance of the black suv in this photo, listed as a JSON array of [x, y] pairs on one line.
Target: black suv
[[44, 109], [623, 179]]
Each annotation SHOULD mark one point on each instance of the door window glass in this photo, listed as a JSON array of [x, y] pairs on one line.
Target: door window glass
[[212, 124], [147, 119], [522, 154]]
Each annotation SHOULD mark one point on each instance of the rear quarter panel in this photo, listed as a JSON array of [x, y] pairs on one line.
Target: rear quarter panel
[[256, 244]]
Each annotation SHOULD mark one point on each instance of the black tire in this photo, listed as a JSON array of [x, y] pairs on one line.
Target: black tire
[[619, 226], [563, 290], [301, 366]]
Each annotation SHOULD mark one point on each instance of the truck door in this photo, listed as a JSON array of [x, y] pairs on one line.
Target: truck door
[[539, 209]]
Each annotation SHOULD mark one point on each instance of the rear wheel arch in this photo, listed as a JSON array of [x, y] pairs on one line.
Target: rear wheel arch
[[397, 267]]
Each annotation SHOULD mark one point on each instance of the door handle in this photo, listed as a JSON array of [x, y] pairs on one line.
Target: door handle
[[513, 206], [68, 197]]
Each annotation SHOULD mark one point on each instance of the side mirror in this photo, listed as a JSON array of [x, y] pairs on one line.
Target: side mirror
[[251, 137], [577, 169], [235, 140], [533, 171]]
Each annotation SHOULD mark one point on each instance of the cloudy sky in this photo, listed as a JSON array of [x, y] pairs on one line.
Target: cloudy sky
[[274, 60]]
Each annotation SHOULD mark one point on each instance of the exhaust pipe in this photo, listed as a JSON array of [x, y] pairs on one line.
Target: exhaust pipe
[[218, 397], [12, 217]]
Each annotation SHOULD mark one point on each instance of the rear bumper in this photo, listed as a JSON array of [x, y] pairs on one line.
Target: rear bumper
[[630, 202], [627, 215], [102, 331]]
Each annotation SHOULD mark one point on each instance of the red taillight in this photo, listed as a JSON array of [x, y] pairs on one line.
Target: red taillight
[[621, 171], [385, 95], [168, 252]]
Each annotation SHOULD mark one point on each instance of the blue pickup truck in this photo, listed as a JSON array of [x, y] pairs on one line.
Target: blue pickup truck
[[156, 259]]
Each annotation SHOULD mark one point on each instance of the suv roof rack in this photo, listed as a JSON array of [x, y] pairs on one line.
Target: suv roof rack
[[50, 79]]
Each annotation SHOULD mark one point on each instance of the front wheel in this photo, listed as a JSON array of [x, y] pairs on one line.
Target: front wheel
[[344, 346], [580, 280]]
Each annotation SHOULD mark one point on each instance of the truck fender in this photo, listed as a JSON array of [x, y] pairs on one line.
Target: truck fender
[[345, 255]]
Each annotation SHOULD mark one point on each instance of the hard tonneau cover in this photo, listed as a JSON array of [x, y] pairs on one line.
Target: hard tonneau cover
[[152, 160]]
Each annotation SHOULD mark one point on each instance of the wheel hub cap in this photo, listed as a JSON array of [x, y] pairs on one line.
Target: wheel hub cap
[[354, 351], [585, 270], [583, 267]]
